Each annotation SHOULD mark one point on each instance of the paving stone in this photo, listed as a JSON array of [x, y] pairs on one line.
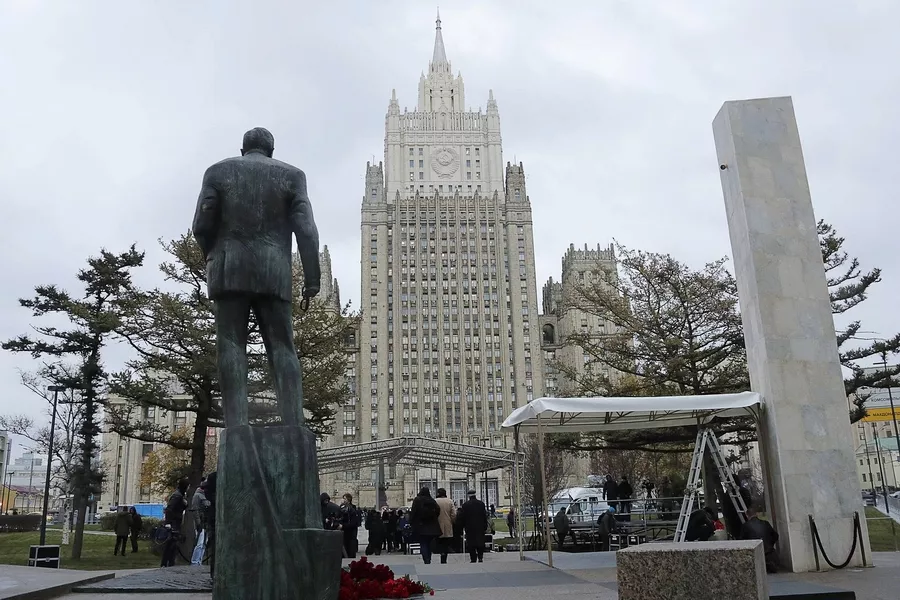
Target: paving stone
[[172, 579]]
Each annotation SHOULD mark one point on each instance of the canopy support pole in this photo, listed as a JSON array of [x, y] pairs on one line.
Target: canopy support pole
[[546, 497], [517, 517]]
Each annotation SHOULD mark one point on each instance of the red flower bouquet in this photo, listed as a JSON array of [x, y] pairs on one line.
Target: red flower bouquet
[[364, 580]]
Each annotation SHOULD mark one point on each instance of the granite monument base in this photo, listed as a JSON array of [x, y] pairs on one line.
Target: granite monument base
[[693, 571], [270, 544]]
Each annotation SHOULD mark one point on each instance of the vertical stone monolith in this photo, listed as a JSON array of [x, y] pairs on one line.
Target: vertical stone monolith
[[792, 355]]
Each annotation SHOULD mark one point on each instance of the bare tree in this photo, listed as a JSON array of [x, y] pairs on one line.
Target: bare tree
[[558, 465], [69, 414]]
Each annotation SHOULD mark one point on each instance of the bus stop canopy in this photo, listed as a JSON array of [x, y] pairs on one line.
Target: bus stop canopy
[[415, 451], [557, 415]]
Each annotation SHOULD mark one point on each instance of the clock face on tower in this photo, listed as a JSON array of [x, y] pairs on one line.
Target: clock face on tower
[[445, 162]]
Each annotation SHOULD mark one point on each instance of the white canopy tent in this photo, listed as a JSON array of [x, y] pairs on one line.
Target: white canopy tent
[[558, 415], [583, 415]]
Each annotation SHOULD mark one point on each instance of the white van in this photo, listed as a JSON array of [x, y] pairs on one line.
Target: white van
[[582, 505]]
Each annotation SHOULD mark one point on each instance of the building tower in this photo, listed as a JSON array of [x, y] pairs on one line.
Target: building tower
[[449, 341], [562, 317]]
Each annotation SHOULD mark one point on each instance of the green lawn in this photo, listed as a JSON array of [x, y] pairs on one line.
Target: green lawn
[[93, 527], [884, 533], [500, 524], [96, 555]]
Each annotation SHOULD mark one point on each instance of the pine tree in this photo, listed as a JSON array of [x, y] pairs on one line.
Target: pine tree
[[674, 331], [93, 317], [848, 286], [173, 334]]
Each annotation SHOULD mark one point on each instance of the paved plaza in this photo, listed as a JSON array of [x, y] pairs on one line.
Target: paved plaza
[[584, 576]]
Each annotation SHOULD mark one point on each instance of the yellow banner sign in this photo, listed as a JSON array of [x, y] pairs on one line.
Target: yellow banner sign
[[881, 414]]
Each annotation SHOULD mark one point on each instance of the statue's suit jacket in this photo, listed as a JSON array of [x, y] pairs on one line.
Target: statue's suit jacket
[[248, 209]]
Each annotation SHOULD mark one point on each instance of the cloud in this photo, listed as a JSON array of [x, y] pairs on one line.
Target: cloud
[[113, 110]]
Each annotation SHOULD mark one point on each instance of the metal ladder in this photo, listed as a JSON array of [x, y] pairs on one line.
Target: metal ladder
[[706, 438]]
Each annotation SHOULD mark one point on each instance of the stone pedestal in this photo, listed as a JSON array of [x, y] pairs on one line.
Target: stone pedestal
[[270, 544], [805, 437], [693, 571]]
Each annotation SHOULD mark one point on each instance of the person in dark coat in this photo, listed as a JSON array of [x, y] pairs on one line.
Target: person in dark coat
[[389, 518], [403, 530], [611, 491], [700, 526], [375, 527], [423, 517], [563, 528], [472, 518], [123, 527], [755, 528], [137, 524], [173, 515], [606, 525], [350, 522], [331, 513], [625, 493]]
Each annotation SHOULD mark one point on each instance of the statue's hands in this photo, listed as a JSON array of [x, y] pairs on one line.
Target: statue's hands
[[309, 291]]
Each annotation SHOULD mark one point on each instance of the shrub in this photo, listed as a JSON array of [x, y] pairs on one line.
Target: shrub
[[9, 523], [108, 521]]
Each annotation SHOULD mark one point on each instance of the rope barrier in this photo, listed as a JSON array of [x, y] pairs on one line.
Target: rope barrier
[[817, 546]]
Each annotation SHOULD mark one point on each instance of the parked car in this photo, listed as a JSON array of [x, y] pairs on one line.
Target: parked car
[[895, 494], [868, 498]]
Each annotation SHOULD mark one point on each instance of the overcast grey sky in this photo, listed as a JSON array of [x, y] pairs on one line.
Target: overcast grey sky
[[111, 111]]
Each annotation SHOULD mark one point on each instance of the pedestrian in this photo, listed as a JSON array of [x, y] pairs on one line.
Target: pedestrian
[[351, 519], [137, 527], [606, 525], [446, 519], [198, 512], [424, 521], [389, 518], [403, 530], [626, 495], [375, 527], [511, 523], [123, 528], [210, 491], [172, 518], [472, 518], [611, 491], [331, 513], [563, 528]]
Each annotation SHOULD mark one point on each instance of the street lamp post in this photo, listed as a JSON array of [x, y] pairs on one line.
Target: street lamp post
[[56, 389], [881, 469], [890, 397]]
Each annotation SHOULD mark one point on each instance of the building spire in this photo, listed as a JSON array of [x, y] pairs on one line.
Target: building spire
[[440, 55]]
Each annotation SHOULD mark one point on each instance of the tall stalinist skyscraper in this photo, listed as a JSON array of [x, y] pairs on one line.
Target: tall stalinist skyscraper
[[449, 338]]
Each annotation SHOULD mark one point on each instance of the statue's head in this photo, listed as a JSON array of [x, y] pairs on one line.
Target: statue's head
[[259, 139]]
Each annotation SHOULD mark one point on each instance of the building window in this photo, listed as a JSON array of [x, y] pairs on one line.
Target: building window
[[421, 152], [410, 151], [477, 151], [468, 163], [421, 175], [411, 176], [421, 164], [467, 151], [477, 174], [469, 176], [412, 164]]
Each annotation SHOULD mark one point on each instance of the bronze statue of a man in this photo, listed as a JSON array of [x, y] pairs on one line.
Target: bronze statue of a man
[[249, 208]]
